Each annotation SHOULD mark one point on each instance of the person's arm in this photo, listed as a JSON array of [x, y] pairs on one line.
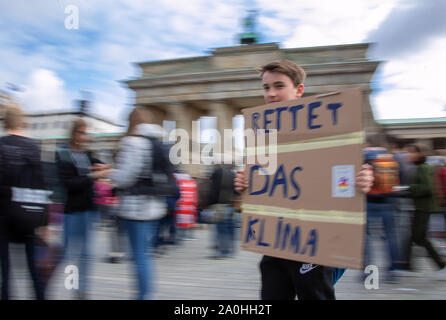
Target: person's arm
[[98, 168]]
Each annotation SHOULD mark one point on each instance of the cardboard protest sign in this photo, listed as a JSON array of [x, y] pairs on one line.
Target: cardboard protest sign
[[304, 207]]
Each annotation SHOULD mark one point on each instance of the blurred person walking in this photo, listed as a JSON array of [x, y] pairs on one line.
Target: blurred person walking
[[221, 197], [139, 210], [77, 168], [423, 194], [403, 204], [21, 176], [380, 204]]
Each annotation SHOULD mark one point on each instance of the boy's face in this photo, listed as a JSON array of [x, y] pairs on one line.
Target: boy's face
[[278, 87]]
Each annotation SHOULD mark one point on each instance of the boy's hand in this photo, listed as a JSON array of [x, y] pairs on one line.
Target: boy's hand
[[364, 179], [240, 182]]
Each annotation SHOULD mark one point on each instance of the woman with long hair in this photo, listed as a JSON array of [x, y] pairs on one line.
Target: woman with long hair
[[77, 168], [138, 212]]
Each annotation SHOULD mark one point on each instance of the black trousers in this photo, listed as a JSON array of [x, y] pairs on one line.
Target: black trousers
[[419, 228], [39, 287], [285, 279]]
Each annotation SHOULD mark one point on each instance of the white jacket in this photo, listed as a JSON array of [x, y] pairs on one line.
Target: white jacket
[[135, 155]]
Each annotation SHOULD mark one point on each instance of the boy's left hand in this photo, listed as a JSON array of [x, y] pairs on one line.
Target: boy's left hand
[[364, 179]]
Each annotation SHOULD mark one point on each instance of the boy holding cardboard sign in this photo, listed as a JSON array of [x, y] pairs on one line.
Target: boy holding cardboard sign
[[282, 278]]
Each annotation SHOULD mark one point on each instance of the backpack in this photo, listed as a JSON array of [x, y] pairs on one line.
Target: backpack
[[161, 181], [386, 174]]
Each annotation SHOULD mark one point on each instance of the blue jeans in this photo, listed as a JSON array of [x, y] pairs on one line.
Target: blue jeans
[[167, 223], [141, 237], [225, 233], [384, 212], [77, 227]]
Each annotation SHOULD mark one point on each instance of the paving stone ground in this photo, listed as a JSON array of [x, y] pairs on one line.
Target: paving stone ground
[[185, 272]]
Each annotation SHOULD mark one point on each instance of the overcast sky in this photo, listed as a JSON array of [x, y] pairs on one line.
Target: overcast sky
[[50, 64]]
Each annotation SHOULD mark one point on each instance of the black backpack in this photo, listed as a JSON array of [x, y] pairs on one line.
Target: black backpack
[[161, 182]]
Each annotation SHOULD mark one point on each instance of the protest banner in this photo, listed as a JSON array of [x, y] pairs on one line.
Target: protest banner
[[306, 208]]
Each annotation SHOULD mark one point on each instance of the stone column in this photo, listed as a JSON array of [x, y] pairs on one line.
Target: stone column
[[182, 114], [177, 111], [224, 114]]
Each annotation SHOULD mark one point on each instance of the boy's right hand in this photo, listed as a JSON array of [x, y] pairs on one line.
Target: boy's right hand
[[240, 182]]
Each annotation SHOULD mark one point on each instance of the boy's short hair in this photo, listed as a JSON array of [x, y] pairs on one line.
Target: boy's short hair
[[288, 68]]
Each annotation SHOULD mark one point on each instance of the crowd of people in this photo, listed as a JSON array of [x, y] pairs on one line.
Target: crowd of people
[[410, 187], [143, 196], [82, 193]]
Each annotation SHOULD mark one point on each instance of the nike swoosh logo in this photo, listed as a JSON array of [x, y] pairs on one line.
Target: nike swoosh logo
[[307, 269]]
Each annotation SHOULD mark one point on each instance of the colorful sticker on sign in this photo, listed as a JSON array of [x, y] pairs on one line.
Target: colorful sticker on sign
[[343, 181]]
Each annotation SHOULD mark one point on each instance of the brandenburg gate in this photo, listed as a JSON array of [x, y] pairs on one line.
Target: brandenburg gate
[[221, 84]]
